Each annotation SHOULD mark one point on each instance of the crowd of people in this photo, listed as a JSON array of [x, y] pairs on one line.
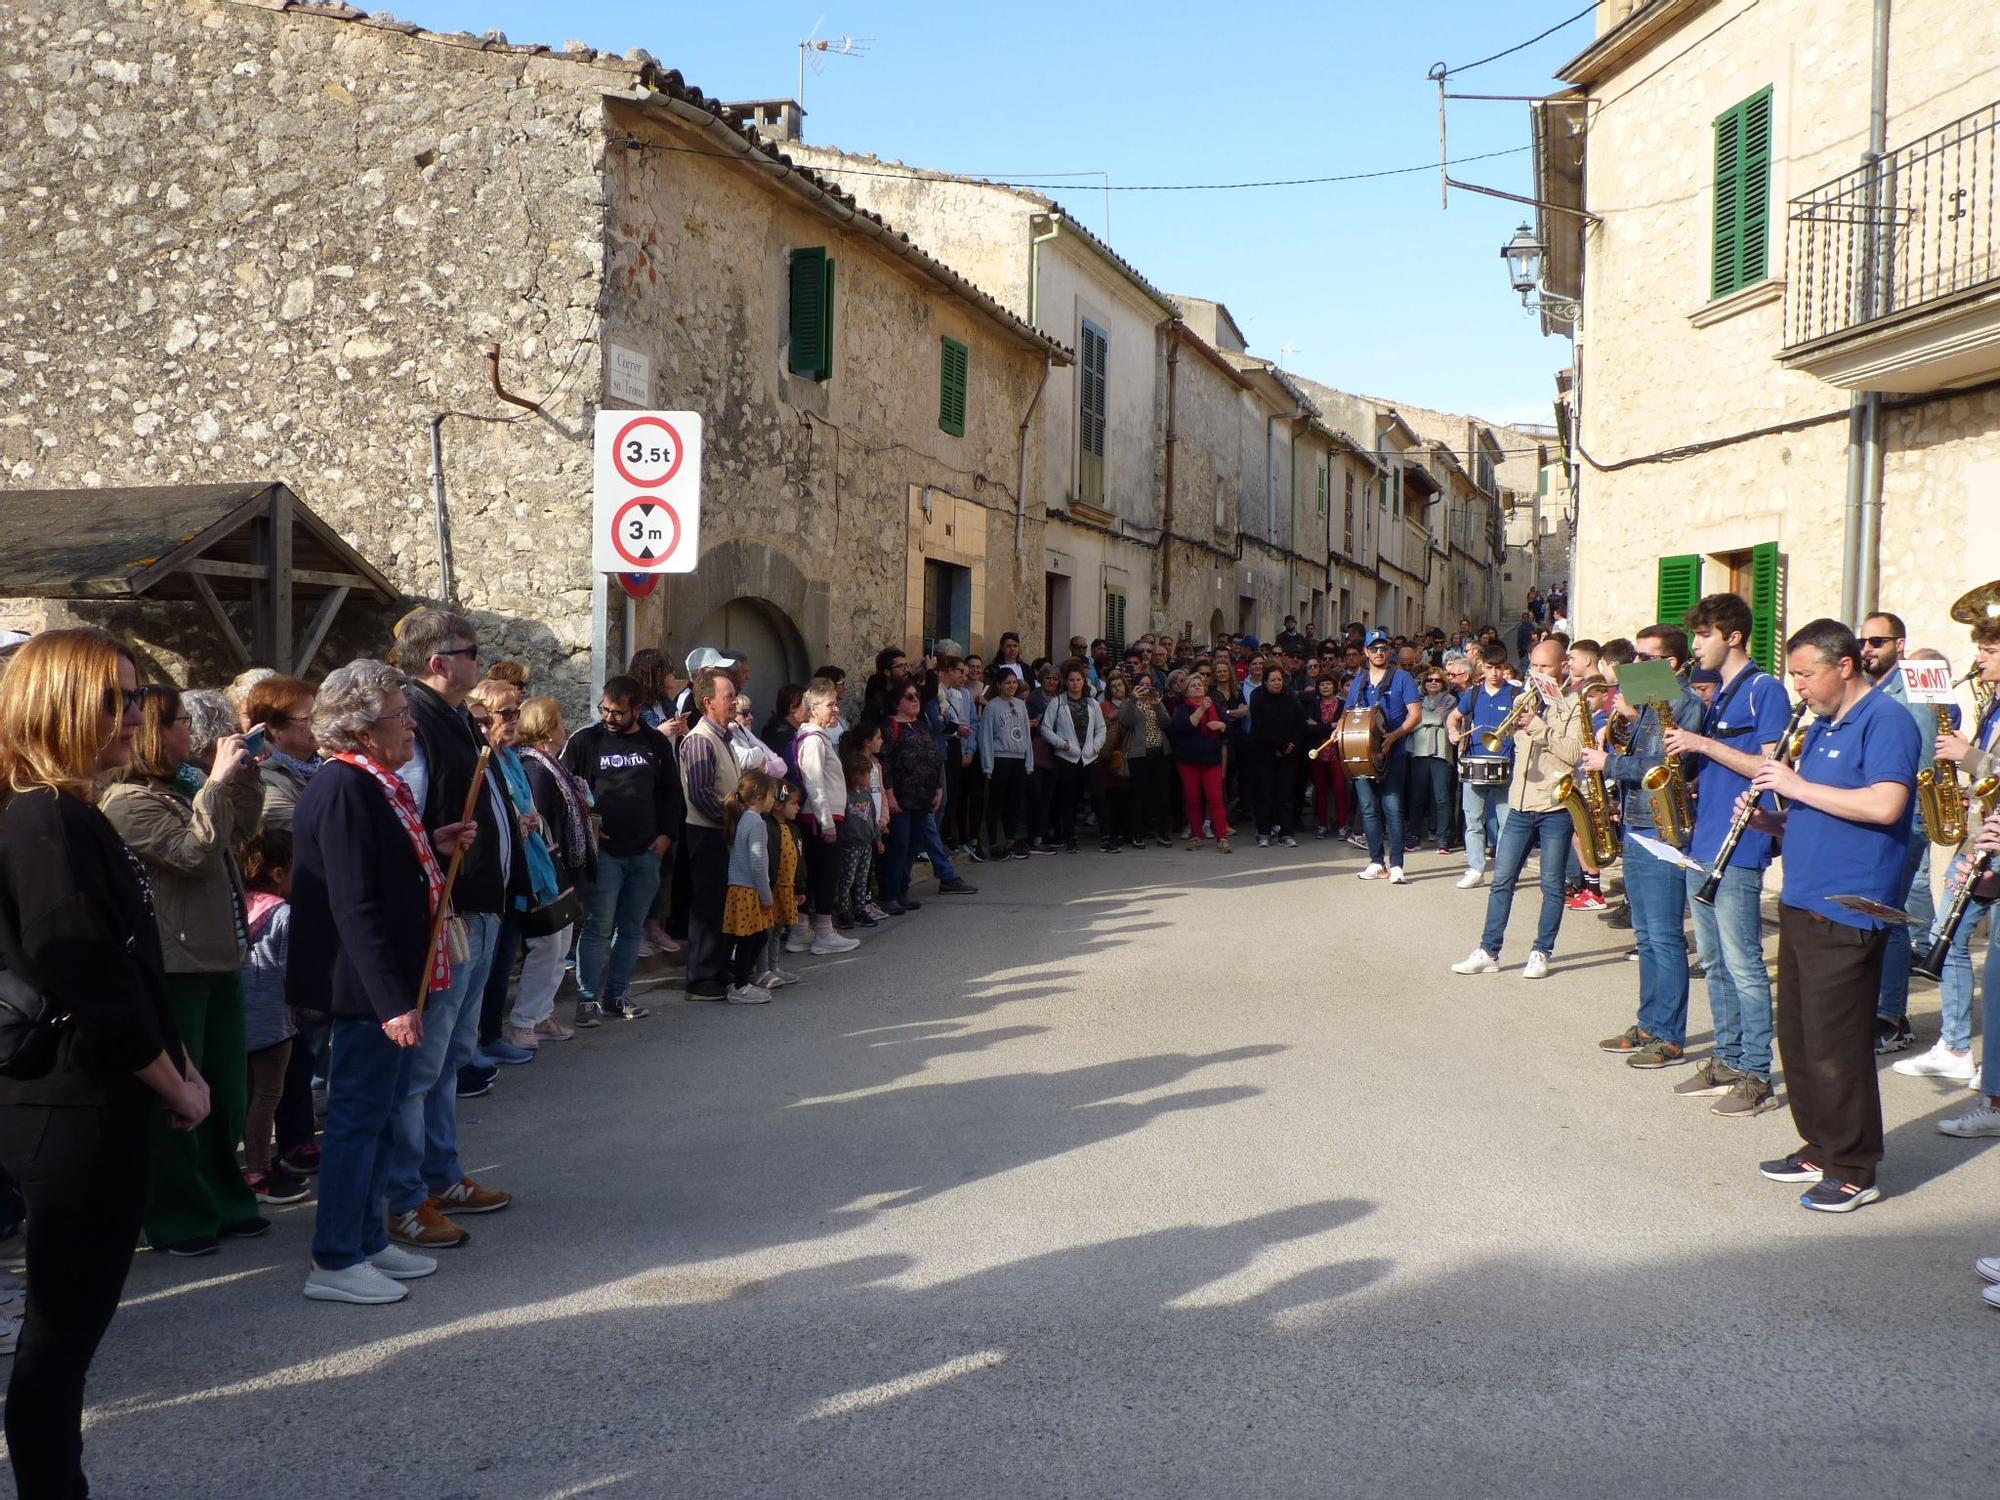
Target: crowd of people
[[256, 943]]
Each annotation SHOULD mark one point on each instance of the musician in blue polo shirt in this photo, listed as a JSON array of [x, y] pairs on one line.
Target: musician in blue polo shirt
[[1846, 828], [1737, 732], [1384, 685], [1483, 791]]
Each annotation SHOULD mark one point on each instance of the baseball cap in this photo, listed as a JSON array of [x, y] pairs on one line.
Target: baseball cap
[[1376, 638], [708, 656]]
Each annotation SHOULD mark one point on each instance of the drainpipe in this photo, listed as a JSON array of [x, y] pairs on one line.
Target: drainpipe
[[1291, 552], [437, 507], [1035, 244], [1173, 439], [1862, 517]]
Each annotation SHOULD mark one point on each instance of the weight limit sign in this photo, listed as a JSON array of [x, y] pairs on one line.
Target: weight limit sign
[[646, 493]]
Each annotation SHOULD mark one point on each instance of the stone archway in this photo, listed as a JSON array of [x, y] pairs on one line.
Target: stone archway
[[766, 639], [749, 596]]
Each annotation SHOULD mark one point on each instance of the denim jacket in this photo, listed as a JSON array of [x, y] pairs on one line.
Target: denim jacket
[[1648, 750]]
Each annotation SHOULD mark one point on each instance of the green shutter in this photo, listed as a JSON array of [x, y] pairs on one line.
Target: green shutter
[[951, 387], [1095, 349], [1767, 605], [1679, 588], [812, 333], [1741, 236], [1114, 621], [1322, 490]]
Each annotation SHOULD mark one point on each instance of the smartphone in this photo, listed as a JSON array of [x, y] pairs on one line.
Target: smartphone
[[253, 742]]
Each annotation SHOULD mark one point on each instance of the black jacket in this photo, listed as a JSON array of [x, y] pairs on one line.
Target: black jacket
[[451, 746], [578, 864], [77, 924], [1276, 720], [636, 781], [361, 915]]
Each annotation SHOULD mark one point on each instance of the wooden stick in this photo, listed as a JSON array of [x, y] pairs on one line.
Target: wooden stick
[[450, 878]]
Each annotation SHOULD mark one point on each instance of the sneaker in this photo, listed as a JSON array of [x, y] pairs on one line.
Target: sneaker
[[277, 1186], [1320, 831], [303, 1160], [1632, 957], [832, 942], [1359, 841], [192, 1247], [1471, 879], [748, 994], [549, 1029], [588, 1014], [708, 992], [1575, 901], [798, 938], [1020, 851], [1981, 1120], [1631, 1039], [1893, 1036], [1222, 846], [1397, 877], [253, 1228], [863, 919], [1991, 1296], [872, 910], [1042, 848], [842, 922], [1711, 1076], [974, 853], [658, 938], [1371, 871], [399, 1264], [620, 1009], [893, 908], [1444, 849], [1939, 1062], [1263, 841], [909, 905], [426, 1228], [474, 1083], [1537, 966], [1657, 1053], [1746, 1098], [1193, 844], [466, 1196], [781, 976], [525, 1038], [957, 887], [1798, 1167], [1830, 1197], [1288, 842], [359, 1283], [647, 950], [1480, 962], [1619, 917], [1988, 1267], [1162, 841]]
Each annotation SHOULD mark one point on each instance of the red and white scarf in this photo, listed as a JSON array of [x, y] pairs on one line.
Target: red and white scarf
[[405, 805]]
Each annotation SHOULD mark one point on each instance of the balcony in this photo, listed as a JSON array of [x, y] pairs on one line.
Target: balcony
[[1894, 270]]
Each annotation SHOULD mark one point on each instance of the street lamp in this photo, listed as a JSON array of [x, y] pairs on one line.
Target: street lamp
[[1523, 254]]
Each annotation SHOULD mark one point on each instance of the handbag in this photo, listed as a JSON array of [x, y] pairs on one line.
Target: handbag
[[30, 1028], [553, 915]]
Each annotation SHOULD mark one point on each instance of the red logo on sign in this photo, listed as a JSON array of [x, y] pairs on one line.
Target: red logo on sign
[[645, 531], [634, 452]]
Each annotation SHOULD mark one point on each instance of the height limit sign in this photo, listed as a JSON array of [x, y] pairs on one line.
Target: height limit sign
[[646, 494]]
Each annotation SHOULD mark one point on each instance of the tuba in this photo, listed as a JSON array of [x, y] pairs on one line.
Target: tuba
[[1667, 789]]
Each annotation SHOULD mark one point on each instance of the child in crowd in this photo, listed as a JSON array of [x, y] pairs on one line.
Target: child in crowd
[[268, 1027], [784, 887], [747, 907], [861, 828]]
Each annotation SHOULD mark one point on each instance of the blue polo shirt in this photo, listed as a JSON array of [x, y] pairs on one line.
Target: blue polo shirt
[[1827, 856], [1750, 711], [1393, 695], [1484, 710]]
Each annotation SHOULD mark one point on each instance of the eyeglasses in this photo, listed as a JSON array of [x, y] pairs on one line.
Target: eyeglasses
[[1877, 642], [614, 710], [401, 716], [458, 651]]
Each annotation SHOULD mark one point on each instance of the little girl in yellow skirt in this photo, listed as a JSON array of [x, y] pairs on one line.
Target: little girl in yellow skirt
[[784, 887], [746, 909]]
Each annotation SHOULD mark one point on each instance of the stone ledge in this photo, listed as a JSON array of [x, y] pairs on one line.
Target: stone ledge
[[1724, 308]]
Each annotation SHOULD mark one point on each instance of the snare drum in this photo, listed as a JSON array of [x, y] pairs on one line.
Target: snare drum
[[1482, 770]]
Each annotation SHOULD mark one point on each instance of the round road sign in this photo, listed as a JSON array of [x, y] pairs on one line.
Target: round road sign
[[645, 531], [647, 453]]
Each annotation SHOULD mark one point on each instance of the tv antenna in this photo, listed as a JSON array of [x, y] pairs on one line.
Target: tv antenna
[[816, 49]]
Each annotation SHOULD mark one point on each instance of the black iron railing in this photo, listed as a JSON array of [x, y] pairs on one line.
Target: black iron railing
[[1915, 228]]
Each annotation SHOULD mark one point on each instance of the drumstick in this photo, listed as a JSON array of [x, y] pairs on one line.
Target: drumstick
[[450, 876]]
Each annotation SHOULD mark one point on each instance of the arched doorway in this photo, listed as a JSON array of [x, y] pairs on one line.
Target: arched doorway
[[1215, 627], [764, 636]]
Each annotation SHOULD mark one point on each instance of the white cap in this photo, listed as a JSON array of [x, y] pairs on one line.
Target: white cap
[[708, 656]]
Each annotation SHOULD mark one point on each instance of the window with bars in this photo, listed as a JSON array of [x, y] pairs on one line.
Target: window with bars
[[952, 361], [811, 274], [1741, 234], [1093, 361]]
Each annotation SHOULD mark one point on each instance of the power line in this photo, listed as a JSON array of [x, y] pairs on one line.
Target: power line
[[1518, 46]]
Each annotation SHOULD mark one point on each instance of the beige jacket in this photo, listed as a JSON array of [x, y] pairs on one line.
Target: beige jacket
[[188, 854], [1545, 751]]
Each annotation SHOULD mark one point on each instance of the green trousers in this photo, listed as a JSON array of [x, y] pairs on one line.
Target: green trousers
[[197, 1186]]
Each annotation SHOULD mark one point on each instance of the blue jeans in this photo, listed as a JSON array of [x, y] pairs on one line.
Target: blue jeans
[[1382, 801], [1519, 832], [620, 901], [1657, 892], [1955, 984], [425, 1157], [367, 1078], [1485, 812], [908, 832], [1894, 1002], [1729, 936]]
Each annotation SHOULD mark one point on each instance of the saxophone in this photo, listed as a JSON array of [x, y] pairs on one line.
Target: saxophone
[[1941, 795], [1666, 788], [1587, 800]]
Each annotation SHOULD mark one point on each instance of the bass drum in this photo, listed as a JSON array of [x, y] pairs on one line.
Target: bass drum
[[1361, 734]]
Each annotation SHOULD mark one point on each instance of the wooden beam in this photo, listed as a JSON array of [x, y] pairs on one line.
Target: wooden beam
[[280, 645], [215, 567], [205, 592], [316, 629], [195, 545], [331, 580]]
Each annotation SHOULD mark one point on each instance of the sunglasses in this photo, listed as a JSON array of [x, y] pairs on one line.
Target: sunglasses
[[118, 702], [1645, 656], [458, 651], [1877, 642]]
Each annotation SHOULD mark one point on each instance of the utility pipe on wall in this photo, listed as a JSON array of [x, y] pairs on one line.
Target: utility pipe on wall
[[1173, 439], [1862, 513]]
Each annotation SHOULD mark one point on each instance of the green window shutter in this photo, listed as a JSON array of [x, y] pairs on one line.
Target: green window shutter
[[1114, 621], [1322, 490], [1679, 588], [1767, 605], [810, 314], [1095, 350], [826, 302], [1741, 233], [951, 386]]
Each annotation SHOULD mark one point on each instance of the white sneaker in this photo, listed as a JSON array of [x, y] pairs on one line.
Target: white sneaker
[[824, 943], [1396, 875], [776, 979], [1480, 962], [1537, 966], [798, 939], [1988, 1266], [1939, 1062], [1990, 1296], [1471, 879], [1981, 1120], [1289, 842], [1263, 841], [1372, 872], [748, 994], [402, 1265], [360, 1283]]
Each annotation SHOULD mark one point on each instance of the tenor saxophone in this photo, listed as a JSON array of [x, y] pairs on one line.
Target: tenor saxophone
[[1666, 788], [1941, 799]]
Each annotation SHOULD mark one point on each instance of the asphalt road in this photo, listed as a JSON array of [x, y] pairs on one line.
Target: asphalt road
[[1155, 1175]]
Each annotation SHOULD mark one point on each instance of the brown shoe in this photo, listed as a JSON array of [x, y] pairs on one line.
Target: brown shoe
[[1222, 846], [1631, 1039], [426, 1228], [467, 1197], [1710, 1077], [1655, 1054], [1747, 1098]]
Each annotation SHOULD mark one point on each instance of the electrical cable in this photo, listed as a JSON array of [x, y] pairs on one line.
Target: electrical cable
[[1518, 46]]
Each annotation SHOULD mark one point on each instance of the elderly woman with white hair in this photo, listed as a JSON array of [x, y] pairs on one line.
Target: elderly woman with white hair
[[366, 892], [825, 788]]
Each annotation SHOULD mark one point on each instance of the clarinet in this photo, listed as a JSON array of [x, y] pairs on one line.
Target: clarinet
[[1931, 965], [1782, 753]]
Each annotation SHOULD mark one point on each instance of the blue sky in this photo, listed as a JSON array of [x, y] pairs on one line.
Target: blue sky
[[1367, 286]]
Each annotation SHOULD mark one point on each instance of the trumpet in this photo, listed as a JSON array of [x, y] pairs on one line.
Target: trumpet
[[1790, 743], [1530, 699]]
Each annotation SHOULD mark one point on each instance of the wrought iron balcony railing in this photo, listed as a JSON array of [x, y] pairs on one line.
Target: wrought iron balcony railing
[[1915, 229]]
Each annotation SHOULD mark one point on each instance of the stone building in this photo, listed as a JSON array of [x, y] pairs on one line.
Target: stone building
[[247, 239], [1535, 492], [1746, 291]]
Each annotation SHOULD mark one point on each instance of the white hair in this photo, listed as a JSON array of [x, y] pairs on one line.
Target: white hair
[[351, 700]]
